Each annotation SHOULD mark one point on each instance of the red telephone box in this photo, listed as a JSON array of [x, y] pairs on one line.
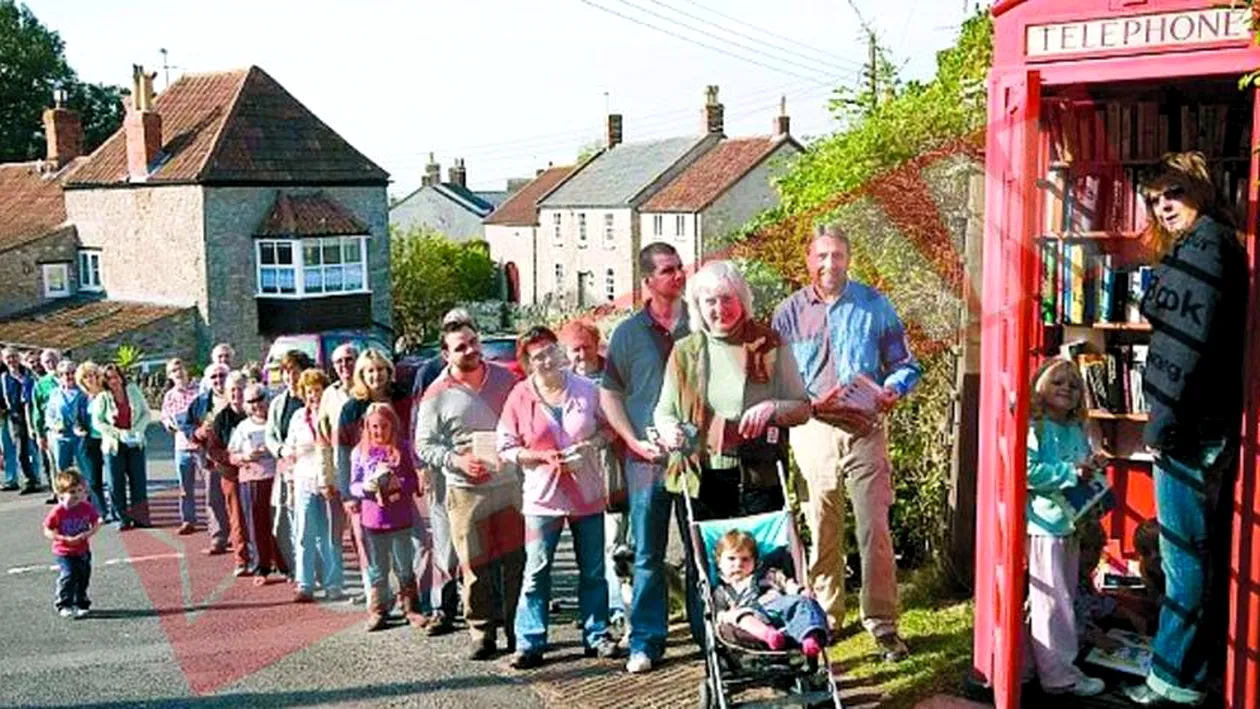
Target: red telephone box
[[1083, 95]]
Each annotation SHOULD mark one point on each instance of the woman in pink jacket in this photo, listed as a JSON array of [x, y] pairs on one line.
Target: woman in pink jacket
[[552, 429]]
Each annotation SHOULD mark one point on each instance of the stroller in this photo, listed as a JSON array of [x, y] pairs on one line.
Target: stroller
[[732, 666]]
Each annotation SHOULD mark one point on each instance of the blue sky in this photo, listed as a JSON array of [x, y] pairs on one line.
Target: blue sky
[[512, 85]]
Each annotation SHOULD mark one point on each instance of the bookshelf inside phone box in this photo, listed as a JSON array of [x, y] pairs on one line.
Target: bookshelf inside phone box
[[1094, 263]]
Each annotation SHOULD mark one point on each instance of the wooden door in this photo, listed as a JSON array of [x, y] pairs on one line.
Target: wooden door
[[1010, 296]]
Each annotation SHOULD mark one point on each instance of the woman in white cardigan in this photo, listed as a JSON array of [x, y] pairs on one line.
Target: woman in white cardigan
[[121, 415]]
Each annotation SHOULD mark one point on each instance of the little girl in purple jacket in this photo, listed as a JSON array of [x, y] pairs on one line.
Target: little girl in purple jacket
[[383, 478]]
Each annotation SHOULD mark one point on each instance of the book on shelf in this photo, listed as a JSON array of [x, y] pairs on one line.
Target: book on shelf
[[1094, 131], [1113, 379], [1082, 285]]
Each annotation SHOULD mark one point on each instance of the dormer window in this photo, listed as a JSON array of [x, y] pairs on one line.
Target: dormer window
[[312, 267]]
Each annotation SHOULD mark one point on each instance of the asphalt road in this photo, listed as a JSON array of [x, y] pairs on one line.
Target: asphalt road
[[173, 628]]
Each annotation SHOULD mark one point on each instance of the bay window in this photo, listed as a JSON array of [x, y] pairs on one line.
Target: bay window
[[312, 266]]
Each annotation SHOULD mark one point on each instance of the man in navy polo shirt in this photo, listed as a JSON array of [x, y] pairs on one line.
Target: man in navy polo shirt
[[840, 329], [633, 372]]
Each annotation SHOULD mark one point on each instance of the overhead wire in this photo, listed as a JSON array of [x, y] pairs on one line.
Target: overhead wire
[[766, 32]]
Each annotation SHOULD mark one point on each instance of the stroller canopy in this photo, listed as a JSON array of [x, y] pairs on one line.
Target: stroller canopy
[[773, 532]]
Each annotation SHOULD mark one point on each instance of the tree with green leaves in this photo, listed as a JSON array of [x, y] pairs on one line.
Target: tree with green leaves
[[431, 273], [32, 65]]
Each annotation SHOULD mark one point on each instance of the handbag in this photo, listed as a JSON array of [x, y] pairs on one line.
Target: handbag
[[615, 489]]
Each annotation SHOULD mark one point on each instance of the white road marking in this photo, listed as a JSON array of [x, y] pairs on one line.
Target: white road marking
[[15, 570]]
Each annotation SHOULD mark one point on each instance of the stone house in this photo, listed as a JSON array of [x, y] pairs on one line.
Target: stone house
[[719, 192], [222, 206], [592, 225], [449, 207], [512, 235]]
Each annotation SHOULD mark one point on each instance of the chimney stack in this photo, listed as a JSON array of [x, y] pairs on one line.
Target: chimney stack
[[458, 175], [142, 126], [712, 111], [432, 173], [63, 132], [782, 123], [614, 129]]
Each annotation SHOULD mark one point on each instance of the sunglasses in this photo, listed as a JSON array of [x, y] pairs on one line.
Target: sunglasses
[[1174, 192], [255, 400]]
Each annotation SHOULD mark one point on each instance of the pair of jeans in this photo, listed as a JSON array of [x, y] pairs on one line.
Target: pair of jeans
[[94, 473], [422, 548], [1191, 495], [128, 483], [186, 463], [799, 616], [282, 522], [440, 577], [70, 451], [315, 549], [72, 581], [387, 548], [722, 496], [19, 452], [649, 519], [218, 521], [542, 533]]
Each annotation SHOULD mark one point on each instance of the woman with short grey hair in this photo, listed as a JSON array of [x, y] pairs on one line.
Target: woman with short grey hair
[[730, 389]]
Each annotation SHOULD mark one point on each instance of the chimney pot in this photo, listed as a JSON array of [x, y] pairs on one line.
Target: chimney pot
[[142, 127], [782, 123], [713, 110], [432, 173], [458, 175], [614, 129], [63, 132]]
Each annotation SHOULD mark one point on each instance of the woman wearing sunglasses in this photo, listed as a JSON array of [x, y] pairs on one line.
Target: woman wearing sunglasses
[[1197, 307]]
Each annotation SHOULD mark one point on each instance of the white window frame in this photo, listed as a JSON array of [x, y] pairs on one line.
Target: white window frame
[[300, 271], [557, 233], [610, 235], [680, 226], [90, 271], [581, 222], [610, 285], [63, 269], [658, 224]]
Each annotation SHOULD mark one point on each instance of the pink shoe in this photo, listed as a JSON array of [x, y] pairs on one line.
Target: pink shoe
[[776, 640], [811, 647]]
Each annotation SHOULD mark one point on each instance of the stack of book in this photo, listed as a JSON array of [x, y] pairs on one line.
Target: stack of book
[[1113, 380], [1082, 285]]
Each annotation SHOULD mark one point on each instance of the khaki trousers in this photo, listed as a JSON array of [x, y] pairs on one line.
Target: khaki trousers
[[826, 455], [488, 533]]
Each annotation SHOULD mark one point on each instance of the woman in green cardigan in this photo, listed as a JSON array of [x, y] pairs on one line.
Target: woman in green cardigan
[[121, 415], [731, 389]]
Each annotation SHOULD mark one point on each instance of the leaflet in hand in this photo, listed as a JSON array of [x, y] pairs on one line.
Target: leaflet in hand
[[860, 395], [1087, 494], [485, 448]]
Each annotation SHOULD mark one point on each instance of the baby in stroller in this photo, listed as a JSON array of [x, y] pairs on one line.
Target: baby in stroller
[[762, 601]]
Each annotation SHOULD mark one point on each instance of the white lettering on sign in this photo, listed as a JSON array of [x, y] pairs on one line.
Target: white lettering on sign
[[1171, 28]]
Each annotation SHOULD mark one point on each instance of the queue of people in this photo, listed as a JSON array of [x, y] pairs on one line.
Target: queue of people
[[464, 484]]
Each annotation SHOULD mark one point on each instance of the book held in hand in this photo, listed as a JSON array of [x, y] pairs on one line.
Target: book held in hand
[[1088, 494]]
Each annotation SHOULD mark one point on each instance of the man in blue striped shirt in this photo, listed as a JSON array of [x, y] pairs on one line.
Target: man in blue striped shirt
[[840, 329]]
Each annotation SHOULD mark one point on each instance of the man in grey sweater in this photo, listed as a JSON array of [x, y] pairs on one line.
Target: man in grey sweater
[[454, 437]]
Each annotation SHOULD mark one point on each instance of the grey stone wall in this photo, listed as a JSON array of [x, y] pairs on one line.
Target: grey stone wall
[[172, 336], [232, 214], [22, 278]]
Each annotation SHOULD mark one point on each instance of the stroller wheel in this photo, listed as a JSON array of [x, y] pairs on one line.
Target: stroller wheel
[[706, 700]]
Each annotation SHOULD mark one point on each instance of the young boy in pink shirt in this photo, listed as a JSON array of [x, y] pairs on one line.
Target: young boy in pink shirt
[[69, 526]]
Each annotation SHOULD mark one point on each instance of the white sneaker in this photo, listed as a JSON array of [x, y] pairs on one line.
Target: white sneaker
[[638, 662], [1084, 687], [81, 612], [66, 612]]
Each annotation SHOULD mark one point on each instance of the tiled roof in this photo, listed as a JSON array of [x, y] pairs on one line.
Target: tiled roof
[[617, 175], [236, 127], [711, 175], [67, 324], [308, 215], [31, 202], [521, 209]]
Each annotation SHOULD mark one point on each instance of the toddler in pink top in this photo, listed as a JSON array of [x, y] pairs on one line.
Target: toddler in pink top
[[69, 526]]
